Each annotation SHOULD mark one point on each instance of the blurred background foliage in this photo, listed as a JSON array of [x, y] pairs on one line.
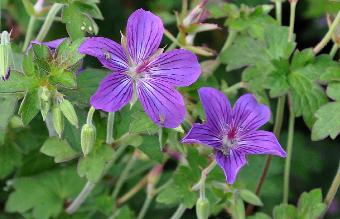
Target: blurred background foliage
[[313, 166]]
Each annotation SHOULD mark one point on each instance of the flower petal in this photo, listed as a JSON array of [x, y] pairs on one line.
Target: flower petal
[[108, 52], [163, 103], [248, 114], [114, 92], [178, 67], [202, 134], [217, 108], [50, 44], [260, 142], [231, 164], [144, 33]]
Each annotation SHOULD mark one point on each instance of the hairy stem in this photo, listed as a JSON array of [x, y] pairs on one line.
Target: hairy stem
[[145, 207], [89, 187], [334, 50], [289, 156], [292, 20], [29, 33], [205, 172], [123, 176], [90, 115], [179, 212], [109, 128], [56, 7], [278, 11], [328, 35], [332, 190], [132, 191]]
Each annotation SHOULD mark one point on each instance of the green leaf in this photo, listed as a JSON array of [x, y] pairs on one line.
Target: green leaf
[[17, 82], [276, 39], [301, 59], [284, 211], [28, 64], [238, 210], [63, 77], [59, 149], [307, 96], [41, 58], [77, 22], [256, 76], [310, 204], [29, 107], [124, 213], [68, 55], [87, 84], [48, 191], [8, 106], [168, 196], [93, 165], [141, 123], [327, 123], [10, 158], [333, 90], [150, 147], [277, 80], [244, 52], [250, 197], [259, 215]]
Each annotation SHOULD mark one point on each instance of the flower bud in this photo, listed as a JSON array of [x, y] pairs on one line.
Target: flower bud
[[44, 101], [68, 110], [202, 208], [88, 138], [6, 56], [38, 7], [58, 120]]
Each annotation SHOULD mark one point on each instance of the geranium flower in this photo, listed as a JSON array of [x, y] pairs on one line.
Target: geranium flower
[[140, 69], [232, 132]]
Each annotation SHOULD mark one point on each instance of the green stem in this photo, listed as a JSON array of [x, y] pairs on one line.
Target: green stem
[[145, 207], [160, 138], [89, 186], [234, 87], [179, 212], [56, 7], [333, 189], [231, 37], [201, 183], [278, 11], [29, 33], [292, 20], [328, 35], [289, 156], [123, 177], [132, 191], [334, 50], [109, 128], [90, 115]]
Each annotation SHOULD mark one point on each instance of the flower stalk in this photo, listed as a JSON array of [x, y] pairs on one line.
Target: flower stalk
[[89, 186], [29, 33], [179, 212], [289, 156], [56, 7], [332, 190], [328, 35], [334, 50], [109, 129]]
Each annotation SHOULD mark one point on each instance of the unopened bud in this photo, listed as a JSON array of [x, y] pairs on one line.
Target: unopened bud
[[195, 15], [58, 120], [38, 7], [68, 110], [202, 208], [6, 56], [44, 101], [88, 138]]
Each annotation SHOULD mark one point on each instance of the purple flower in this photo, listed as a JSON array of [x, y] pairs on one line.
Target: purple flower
[[232, 132], [140, 69], [52, 45]]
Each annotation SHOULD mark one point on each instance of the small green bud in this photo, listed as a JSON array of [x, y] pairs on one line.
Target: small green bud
[[68, 110], [202, 208], [88, 138], [58, 120], [45, 101], [6, 56]]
